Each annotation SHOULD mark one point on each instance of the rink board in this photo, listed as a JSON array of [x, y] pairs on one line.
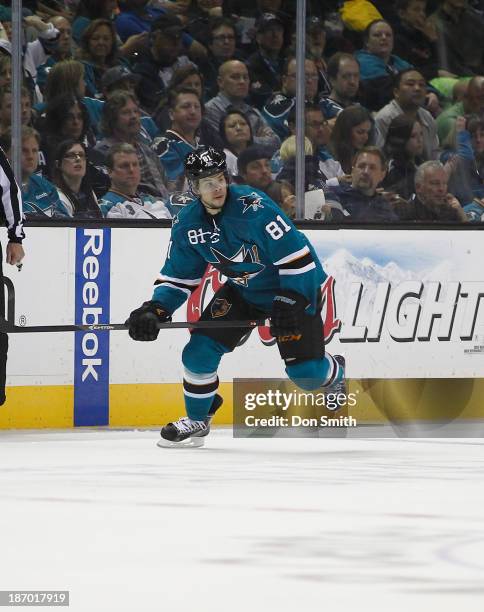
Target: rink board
[[405, 309]]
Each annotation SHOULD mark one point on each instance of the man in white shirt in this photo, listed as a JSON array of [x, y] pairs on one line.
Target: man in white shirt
[[409, 94]]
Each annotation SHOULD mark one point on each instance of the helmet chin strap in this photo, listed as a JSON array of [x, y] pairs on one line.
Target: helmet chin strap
[[212, 211]]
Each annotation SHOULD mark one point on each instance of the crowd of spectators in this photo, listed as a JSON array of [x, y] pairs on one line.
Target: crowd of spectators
[[116, 93]]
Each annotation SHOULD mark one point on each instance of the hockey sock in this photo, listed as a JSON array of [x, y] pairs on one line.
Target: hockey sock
[[201, 358], [314, 373], [199, 391], [337, 372]]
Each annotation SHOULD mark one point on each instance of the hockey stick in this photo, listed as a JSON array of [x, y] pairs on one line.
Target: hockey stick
[[8, 328]]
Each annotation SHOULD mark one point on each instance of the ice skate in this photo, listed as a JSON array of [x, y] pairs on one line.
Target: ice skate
[[340, 386], [186, 433]]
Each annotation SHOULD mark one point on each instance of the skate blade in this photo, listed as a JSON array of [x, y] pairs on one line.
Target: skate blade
[[188, 443]]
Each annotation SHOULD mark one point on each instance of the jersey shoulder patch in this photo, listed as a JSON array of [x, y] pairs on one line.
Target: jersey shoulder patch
[[182, 198]]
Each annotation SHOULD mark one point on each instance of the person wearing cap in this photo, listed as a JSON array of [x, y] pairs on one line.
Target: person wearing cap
[[316, 37], [247, 13], [159, 62], [233, 82], [315, 48], [119, 77], [266, 64]]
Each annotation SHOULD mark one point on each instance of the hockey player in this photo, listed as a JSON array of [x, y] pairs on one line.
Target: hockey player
[[271, 269]]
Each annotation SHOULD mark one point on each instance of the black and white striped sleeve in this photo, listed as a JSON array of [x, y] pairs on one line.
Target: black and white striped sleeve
[[11, 201], [298, 262]]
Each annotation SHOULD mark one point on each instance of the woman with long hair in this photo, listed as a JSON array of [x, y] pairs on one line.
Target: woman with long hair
[[236, 133], [98, 52], [66, 117], [67, 77], [75, 190], [404, 147], [352, 131]]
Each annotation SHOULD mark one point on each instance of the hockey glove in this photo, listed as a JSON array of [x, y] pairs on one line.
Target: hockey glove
[[143, 322], [288, 308]]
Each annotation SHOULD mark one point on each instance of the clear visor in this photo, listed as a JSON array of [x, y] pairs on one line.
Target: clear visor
[[212, 183]]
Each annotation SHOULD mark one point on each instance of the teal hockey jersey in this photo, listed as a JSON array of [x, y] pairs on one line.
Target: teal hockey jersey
[[251, 242]]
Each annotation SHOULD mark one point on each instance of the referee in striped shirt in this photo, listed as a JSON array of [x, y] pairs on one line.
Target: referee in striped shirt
[[11, 211]]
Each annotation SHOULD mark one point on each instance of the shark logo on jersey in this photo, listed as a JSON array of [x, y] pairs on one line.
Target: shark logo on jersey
[[241, 267], [251, 201]]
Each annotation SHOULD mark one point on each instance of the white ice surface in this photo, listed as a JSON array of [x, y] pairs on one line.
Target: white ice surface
[[243, 525]]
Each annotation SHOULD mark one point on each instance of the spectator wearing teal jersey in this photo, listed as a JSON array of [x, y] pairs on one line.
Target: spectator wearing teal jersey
[[124, 200], [40, 198], [182, 137]]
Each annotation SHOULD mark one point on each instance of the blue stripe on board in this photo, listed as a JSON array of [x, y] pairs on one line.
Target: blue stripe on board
[[91, 350]]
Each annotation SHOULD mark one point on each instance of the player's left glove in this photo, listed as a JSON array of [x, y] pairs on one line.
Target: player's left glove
[[143, 322], [288, 308]]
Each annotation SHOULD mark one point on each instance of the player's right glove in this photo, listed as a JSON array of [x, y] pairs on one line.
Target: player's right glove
[[143, 322], [288, 309]]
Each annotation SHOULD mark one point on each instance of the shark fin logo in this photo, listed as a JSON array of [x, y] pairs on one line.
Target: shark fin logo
[[241, 267], [253, 200]]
